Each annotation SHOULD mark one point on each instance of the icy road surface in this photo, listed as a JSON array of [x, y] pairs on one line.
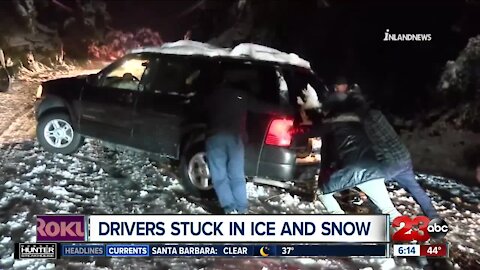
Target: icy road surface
[[99, 181]]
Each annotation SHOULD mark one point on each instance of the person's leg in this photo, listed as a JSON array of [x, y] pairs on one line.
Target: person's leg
[[331, 204], [378, 194], [329, 185], [406, 179], [217, 163], [236, 173]]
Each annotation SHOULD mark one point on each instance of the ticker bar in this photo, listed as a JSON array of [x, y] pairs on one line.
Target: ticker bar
[[374, 250], [227, 250]]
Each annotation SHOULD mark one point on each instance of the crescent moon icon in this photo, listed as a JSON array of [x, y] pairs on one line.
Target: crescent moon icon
[[263, 253]]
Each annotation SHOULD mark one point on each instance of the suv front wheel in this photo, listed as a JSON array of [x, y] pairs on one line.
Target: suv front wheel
[[195, 173], [55, 133]]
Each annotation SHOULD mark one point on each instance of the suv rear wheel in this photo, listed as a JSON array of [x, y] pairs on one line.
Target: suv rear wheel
[[55, 133], [195, 173]]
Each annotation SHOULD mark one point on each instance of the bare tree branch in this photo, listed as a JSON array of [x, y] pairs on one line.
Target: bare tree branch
[[56, 2], [2, 59], [191, 9]]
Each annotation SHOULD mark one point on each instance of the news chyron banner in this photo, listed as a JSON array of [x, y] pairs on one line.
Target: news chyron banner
[[208, 235], [238, 228]]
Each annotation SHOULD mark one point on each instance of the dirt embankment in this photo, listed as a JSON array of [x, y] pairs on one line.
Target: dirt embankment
[[446, 151], [17, 120], [447, 140]]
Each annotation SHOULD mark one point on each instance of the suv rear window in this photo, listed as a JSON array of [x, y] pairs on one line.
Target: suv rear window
[[297, 80], [262, 80], [266, 87], [173, 76]]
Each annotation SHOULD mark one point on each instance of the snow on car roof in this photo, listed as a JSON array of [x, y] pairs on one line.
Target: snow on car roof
[[243, 51]]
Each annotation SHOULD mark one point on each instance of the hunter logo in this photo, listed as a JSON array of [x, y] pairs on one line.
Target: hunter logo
[[58, 228], [36, 251], [406, 37]]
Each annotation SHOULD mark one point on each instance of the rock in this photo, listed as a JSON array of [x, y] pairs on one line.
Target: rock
[[456, 200], [17, 41], [29, 62]]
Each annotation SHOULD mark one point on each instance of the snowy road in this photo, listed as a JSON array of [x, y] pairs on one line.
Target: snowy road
[[98, 181]]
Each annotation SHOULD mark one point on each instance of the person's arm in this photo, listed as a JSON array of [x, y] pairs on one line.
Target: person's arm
[[303, 133], [327, 152], [333, 101], [357, 102], [318, 129], [202, 103]]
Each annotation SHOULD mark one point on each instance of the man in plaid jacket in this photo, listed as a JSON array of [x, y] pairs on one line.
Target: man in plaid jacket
[[395, 157], [389, 149]]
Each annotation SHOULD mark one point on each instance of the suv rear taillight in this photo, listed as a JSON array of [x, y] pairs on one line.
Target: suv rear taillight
[[279, 132]]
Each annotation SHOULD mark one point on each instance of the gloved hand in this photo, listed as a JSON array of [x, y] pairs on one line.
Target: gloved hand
[[311, 99]]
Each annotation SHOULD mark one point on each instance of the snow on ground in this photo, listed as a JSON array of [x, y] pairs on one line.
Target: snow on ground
[[100, 181], [36, 182]]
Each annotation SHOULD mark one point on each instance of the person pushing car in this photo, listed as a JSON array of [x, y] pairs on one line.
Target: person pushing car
[[227, 108]]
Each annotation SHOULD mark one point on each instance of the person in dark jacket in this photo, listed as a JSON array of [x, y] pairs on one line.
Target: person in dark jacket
[[395, 157], [389, 150], [226, 130], [347, 151], [344, 99]]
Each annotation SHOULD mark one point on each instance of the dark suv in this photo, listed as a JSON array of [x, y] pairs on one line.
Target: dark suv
[[148, 100]]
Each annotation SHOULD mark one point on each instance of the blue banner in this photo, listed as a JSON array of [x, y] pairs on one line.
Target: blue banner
[[375, 250], [82, 250], [227, 250], [128, 250], [206, 250], [344, 250]]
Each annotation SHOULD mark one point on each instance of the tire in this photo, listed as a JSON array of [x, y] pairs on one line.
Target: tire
[[70, 141], [189, 158]]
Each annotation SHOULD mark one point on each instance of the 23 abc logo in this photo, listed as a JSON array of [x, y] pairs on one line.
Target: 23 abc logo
[[435, 229]]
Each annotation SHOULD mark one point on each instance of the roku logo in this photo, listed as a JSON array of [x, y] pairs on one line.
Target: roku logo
[[53, 229], [60, 228]]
